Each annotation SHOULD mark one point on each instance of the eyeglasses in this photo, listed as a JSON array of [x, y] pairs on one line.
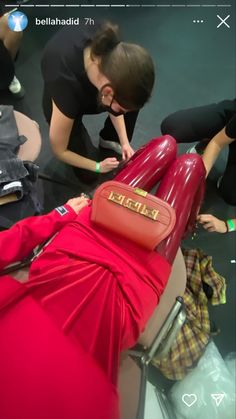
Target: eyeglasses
[[109, 107], [110, 110]]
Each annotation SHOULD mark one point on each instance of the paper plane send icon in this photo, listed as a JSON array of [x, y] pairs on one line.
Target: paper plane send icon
[[218, 398]]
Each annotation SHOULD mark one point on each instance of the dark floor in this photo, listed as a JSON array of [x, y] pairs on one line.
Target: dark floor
[[195, 66]]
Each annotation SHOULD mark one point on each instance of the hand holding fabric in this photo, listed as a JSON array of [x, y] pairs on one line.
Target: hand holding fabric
[[127, 151], [108, 164]]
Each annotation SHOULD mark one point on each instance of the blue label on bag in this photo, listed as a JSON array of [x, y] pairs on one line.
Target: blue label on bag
[[61, 210]]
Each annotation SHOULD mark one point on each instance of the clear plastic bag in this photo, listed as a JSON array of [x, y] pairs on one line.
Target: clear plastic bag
[[207, 391], [230, 361]]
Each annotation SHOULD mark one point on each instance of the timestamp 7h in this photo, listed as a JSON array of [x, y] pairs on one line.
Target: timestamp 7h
[[88, 21]]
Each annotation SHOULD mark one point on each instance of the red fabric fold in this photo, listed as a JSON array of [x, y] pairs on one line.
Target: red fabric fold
[[11, 292], [99, 289], [43, 375]]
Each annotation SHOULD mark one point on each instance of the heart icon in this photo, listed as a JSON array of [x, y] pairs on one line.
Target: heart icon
[[189, 399]]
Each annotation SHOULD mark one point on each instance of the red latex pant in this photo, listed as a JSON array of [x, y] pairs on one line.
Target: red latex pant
[[41, 373], [181, 183]]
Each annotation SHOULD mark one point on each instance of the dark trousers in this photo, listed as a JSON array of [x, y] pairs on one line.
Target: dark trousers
[[108, 133], [201, 123], [7, 70]]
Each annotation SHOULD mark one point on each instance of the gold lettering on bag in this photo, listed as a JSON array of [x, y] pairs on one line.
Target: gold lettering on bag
[[133, 205], [116, 197], [149, 212]]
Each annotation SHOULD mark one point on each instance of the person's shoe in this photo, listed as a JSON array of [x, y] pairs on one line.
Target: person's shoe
[[192, 150], [16, 88], [199, 148], [196, 150], [110, 145], [219, 181]]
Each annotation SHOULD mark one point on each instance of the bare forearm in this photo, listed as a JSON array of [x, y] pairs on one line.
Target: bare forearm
[[59, 134], [76, 160], [82, 162], [119, 124], [210, 155], [212, 151]]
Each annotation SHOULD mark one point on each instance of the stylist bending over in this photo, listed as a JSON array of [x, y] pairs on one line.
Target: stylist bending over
[[88, 71]]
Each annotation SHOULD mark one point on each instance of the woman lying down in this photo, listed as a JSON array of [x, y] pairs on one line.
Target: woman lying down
[[88, 295]]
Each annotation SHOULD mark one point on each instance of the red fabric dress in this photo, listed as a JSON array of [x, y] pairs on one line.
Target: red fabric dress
[[43, 375], [98, 289], [89, 292]]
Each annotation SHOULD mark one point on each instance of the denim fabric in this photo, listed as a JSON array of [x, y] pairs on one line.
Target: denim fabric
[[30, 186], [12, 169], [16, 176], [11, 173], [15, 211], [27, 194], [10, 140]]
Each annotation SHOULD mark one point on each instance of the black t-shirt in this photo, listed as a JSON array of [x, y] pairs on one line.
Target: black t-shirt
[[228, 113], [231, 127], [66, 81], [231, 124]]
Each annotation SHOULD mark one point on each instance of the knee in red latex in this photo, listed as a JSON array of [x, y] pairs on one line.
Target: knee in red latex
[[182, 187], [149, 163]]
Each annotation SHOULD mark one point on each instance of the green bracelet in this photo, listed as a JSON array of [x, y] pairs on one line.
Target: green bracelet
[[97, 170], [230, 225]]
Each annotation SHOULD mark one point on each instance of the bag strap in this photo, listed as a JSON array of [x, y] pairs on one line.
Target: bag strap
[[28, 260]]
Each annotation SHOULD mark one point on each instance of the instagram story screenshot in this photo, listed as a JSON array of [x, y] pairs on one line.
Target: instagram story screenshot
[[117, 209]]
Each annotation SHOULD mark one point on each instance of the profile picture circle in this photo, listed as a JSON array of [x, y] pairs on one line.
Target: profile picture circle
[[17, 21]]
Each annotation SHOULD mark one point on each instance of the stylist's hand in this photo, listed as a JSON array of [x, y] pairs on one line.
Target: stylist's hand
[[78, 203], [211, 223], [108, 164], [127, 151]]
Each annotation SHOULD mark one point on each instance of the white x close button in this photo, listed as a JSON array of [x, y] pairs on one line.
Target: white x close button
[[223, 21]]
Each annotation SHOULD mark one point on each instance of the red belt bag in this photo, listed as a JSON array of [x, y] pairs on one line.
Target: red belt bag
[[132, 213]]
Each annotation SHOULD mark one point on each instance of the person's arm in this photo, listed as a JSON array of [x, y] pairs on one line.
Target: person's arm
[[20, 240], [59, 133], [214, 147], [211, 223], [119, 125]]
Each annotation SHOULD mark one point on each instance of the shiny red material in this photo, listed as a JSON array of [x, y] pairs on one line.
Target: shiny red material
[[185, 194], [98, 290], [147, 166], [181, 184]]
